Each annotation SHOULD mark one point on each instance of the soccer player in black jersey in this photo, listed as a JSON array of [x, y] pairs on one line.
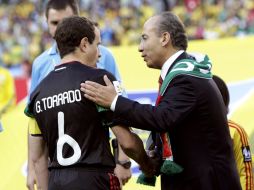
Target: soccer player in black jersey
[[74, 129], [55, 11]]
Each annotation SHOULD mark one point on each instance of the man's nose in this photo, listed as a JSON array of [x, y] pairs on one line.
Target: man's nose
[[140, 47]]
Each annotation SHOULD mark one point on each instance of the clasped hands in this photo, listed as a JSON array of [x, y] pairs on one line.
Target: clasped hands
[[152, 166]]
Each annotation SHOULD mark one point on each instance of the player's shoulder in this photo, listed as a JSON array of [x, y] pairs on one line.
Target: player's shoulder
[[99, 73], [103, 71]]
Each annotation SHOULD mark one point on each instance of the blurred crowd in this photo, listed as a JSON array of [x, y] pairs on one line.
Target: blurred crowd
[[24, 33]]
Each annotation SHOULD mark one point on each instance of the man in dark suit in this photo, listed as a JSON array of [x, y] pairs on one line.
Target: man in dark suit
[[189, 109]]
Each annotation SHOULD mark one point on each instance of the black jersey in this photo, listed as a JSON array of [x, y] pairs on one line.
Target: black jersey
[[72, 126]]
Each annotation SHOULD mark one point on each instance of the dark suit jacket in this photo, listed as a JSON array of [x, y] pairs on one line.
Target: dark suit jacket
[[193, 114]]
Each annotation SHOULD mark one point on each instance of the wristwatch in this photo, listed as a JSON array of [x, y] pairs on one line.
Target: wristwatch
[[126, 163]]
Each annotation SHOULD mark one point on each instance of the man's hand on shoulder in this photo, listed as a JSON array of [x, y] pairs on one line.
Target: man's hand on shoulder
[[99, 94]]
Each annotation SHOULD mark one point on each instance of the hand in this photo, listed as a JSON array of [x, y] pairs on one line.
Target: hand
[[31, 178], [102, 95], [152, 166], [123, 174]]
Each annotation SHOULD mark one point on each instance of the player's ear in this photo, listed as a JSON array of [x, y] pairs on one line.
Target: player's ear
[[83, 44]]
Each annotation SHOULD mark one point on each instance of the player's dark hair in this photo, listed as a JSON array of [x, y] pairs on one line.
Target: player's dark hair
[[71, 31]]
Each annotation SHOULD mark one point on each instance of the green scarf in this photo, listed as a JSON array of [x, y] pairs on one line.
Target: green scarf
[[190, 67]]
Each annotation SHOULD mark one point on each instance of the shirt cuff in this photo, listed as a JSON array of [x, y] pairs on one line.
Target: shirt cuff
[[113, 104]]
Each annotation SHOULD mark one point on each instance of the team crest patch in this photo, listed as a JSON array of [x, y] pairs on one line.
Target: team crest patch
[[119, 89], [246, 153]]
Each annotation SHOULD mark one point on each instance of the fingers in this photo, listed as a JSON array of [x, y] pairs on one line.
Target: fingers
[[121, 183], [91, 84], [30, 181], [89, 94], [97, 93], [89, 90], [106, 80], [30, 186], [124, 181], [91, 98]]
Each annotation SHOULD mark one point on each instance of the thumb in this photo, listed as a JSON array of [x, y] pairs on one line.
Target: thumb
[[106, 80], [121, 183]]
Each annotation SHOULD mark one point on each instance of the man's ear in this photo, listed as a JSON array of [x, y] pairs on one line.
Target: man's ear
[[165, 38], [83, 44]]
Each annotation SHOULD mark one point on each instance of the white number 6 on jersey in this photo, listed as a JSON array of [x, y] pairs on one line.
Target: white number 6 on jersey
[[64, 138]]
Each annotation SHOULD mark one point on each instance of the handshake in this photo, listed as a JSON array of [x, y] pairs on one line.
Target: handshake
[[156, 164]]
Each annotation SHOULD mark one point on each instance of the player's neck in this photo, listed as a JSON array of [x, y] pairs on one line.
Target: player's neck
[[70, 58], [76, 58]]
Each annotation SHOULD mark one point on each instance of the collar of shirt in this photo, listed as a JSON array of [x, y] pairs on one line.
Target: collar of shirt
[[53, 50], [169, 62]]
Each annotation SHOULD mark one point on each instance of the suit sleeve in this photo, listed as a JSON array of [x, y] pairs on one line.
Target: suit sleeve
[[177, 103]]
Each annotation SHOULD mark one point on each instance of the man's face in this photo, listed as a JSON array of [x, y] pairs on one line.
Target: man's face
[[55, 16], [150, 44], [93, 53]]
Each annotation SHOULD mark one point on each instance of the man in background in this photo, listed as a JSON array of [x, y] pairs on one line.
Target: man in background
[[241, 145]]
